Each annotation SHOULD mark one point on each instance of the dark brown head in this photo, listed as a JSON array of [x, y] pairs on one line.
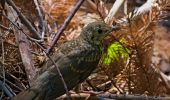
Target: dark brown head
[[95, 32]]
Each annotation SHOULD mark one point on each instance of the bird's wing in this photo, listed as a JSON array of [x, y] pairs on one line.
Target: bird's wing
[[75, 62], [75, 58], [74, 54]]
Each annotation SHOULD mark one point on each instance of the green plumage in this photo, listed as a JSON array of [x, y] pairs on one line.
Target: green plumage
[[76, 60]]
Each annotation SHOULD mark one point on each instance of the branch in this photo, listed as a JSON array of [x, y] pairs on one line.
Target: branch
[[145, 7], [45, 82], [41, 19], [66, 22], [58, 71], [5, 88], [113, 11], [30, 38], [24, 47], [132, 97], [24, 19], [5, 28], [109, 96], [12, 84], [26, 55]]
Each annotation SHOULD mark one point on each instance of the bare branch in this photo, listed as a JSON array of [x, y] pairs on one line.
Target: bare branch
[[109, 96], [58, 71], [24, 48], [42, 83], [66, 22], [5, 28], [145, 7], [24, 19], [41, 19], [30, 38], [26, 55], [132, 97], [113, 11]]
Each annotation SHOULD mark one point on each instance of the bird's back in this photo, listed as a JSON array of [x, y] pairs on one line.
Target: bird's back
[[76, 60]]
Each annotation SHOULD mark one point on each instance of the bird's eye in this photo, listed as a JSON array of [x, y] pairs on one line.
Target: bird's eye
[[99, 31]]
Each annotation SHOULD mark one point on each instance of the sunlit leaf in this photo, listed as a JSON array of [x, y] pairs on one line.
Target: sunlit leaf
[[116, 51]]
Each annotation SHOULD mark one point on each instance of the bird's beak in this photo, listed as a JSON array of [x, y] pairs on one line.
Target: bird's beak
[[115, 28]]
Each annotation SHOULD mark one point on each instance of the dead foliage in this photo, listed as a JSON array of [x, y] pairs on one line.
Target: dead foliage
[[137, 74]]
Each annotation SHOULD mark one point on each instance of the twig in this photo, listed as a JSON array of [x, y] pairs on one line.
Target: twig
[[5, 28], [3, 60], [23, 19], [26, 56], [66, 22], [126, 7], [103, 85], [108, 96], [165, 80], [62, 79], [98, 10], [92, 4], [146, 7], [30, 38], [58, 70], [132, 97], [12, 84], [25, 53], [162, 76], [41, 19], [16, 80], [113, 11], [112, 81], [91, 85], [7, 91], [10, 90]]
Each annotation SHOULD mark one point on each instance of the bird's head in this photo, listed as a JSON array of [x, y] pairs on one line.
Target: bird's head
[[95, 32]]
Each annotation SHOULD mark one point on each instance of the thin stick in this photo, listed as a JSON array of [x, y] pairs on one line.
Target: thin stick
[[58, 70], [23, 19], [109, 96], [2, 67], [113, 11], [41, 20], [5, 28], [12, 84], [30, 38], [25, 54], [132, 97], [66, 22]]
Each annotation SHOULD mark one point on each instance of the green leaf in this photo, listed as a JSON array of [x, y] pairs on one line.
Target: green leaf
[[116, 51]]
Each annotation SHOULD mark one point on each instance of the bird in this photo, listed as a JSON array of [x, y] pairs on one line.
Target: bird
[[76, 59]]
